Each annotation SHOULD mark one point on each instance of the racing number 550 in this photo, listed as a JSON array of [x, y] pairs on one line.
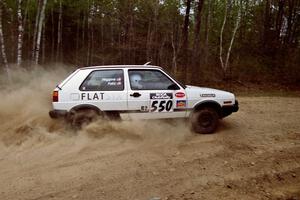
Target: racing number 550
[[161, 106]]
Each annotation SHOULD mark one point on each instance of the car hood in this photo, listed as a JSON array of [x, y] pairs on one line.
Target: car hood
[[202, 92]]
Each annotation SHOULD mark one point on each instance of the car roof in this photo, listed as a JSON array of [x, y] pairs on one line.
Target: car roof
[[120, 66]]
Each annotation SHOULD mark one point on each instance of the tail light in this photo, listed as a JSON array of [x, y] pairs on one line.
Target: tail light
[[55, 96]]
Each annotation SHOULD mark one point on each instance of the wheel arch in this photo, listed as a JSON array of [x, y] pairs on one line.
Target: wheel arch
[[86, 106], [210, 104]]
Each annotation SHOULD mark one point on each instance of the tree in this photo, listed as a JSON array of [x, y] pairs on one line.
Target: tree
[[20, 33], [59, 32], [279, 19], [3, 50], [188, 37], [196, 47], [185, 42], [38, 13], [225, 65], [39, 31]]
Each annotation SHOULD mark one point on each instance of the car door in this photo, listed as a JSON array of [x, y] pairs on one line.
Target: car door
[[105, 89], [152, 94]]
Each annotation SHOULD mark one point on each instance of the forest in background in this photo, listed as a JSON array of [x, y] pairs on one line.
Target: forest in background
[[199, 41]]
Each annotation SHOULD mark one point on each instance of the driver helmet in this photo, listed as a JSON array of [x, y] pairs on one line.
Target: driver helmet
[[135, 81]]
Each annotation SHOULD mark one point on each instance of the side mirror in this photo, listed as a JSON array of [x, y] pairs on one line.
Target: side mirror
[[173, 87]]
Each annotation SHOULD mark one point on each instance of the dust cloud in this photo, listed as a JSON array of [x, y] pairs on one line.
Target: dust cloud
[[252, 155], [24, 115]]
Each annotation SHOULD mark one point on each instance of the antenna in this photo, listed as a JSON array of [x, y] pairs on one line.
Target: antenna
[[147, 63]]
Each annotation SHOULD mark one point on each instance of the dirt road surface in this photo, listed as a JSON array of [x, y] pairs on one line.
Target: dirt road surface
[[255, 154]]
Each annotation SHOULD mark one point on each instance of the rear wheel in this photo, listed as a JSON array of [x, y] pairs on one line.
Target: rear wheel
[[82, 117], [204, 120]]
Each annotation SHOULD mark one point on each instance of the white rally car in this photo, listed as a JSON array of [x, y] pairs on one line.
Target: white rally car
[[138, 92]]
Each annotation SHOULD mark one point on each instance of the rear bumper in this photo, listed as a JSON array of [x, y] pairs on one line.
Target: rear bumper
[[54, 114], [228, 110]]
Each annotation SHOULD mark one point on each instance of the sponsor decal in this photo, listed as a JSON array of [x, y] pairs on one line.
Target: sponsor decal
[[207, 95], [91, 96], [161, 96], [113, 81], [144, 108], [179, 95], [181, 103]]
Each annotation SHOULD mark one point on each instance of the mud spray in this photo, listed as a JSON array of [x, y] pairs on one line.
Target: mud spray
[[24, 116]]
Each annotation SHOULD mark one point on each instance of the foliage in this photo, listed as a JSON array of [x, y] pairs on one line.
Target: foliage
[[96, 32]]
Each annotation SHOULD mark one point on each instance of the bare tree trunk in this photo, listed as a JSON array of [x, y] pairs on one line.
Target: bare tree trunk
[[185, 41], [77, 42], [294, 26], [154, 33], [161, 51], [83, 28], [83, 36], [102, 36], [197, 27], [291, 4], [185, 29], [266, 24], [102, 33], [3, 51], [39, 33], [59, 33], [221, 37], [193, 73], [43, 42], [25, 14], [174, 58], [131, 38], [88, 44], [279, 19], [151, 32], [120, 43], [225, 65], [25, 18], [92, 45], [112, 41], [148, 42], [20, 34], [237, 25], [90, 32], [12, 33], [207, 29], [36, 29], [88, 41], [52, 35]]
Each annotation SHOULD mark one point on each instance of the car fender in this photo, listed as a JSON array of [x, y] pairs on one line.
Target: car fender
[[208, 103]]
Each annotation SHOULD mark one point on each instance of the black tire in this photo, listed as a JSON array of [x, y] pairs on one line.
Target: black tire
[[82, 117], [204, 121]]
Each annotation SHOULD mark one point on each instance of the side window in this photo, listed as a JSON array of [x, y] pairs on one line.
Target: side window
[[143, 79], [104, 80]]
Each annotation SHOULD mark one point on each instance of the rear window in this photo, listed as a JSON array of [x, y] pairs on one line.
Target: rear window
[[104, 80]]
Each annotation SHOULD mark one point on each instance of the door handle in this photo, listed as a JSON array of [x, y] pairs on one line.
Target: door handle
[[135, 94]]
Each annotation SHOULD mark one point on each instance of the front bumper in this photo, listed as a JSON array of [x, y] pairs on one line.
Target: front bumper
[[54, 114], [235, 107], [228, 110]]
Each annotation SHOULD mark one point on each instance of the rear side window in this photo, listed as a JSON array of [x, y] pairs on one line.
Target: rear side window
[[104, 80]]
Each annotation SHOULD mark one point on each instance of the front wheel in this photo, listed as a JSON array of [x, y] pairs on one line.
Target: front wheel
[[204, 120]]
